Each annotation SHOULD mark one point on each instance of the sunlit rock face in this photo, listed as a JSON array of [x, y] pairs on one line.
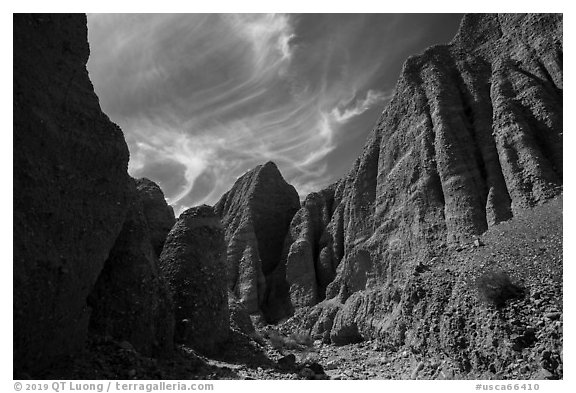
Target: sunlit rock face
[[472, 136], [256, 214]]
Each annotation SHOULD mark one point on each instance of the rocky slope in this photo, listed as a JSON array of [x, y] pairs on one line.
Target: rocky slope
[[439, 327], [256, 214], [471, 138]]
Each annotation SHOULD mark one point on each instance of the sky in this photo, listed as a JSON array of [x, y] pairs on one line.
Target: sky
[[203, 98]]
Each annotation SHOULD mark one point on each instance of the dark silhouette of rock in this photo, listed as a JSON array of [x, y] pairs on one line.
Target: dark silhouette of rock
[[256, 214], [71, 192], [193, 262], [159, 215], [131, 301], [471, 137]]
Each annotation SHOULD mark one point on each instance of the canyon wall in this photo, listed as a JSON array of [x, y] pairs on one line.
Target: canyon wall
[[83, 256], [471, 137]]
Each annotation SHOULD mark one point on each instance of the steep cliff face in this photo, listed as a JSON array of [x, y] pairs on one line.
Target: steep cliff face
[[84, 263], [472, 136], [71, 191], [256, 214]]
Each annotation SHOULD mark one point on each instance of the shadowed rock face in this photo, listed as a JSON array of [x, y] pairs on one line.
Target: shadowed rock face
[[159, 215], [70, 186], [193, 262], [130, 300], [256, 214], [472, 136]]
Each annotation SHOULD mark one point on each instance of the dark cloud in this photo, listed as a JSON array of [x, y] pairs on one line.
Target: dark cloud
[[204, 97]]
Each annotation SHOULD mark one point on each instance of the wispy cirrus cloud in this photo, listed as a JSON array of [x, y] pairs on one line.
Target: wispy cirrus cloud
[[268, 34], [202, 98], [373, 97]]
